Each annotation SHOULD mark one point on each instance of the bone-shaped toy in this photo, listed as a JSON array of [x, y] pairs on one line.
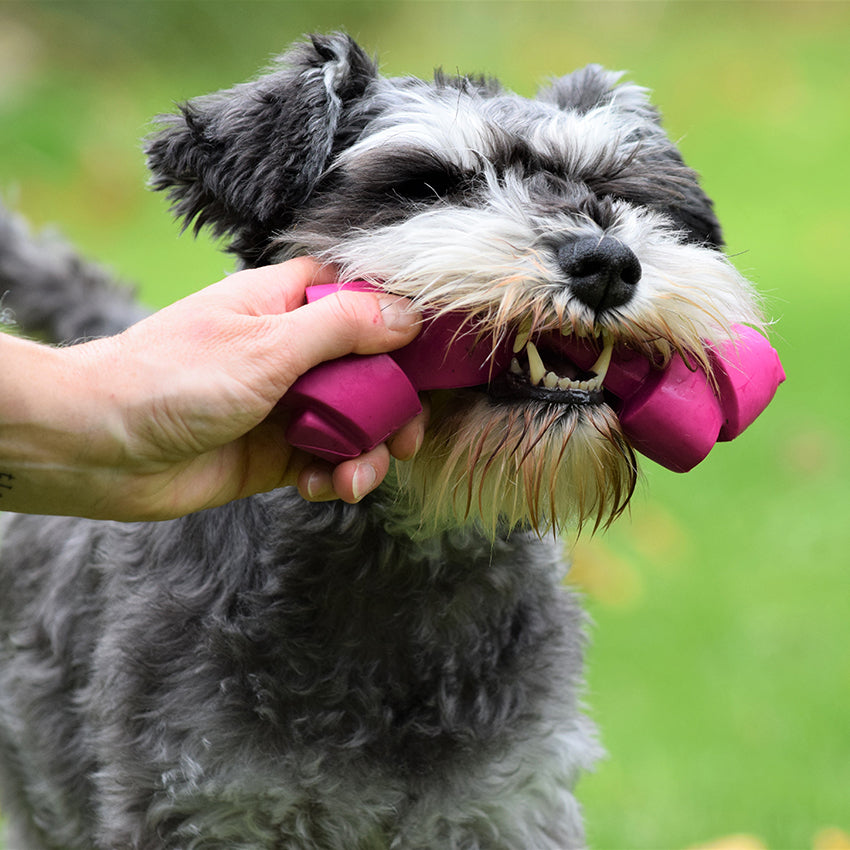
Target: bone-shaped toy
[[673, 415]]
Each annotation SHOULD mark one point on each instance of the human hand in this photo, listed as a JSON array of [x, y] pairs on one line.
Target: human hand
[[178, 413]]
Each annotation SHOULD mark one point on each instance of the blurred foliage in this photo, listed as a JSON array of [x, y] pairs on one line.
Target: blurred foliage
[[720, 665]]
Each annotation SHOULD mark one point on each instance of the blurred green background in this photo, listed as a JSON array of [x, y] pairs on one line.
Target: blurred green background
[[720, 665]]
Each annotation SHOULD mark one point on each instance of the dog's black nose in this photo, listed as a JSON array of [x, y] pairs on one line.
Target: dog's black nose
[[603, 272]]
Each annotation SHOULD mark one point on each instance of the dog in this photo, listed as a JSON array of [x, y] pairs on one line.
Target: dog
[[405, 672]]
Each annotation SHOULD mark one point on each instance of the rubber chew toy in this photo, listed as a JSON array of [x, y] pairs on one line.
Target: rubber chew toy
[[674, 415]]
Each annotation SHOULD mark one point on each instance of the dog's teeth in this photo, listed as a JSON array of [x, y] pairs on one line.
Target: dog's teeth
[[567, 384], [536, 369], [600, 367], [566, 330], [515, 367], [550, 380], [522, 336]]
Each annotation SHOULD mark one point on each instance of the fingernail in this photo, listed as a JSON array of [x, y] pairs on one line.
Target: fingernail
[[397, 313], [319, 486], [416, 446], [364, 480]]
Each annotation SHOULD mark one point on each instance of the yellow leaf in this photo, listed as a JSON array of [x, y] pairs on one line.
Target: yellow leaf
[[598, 571], [733, 842], [831, 839]]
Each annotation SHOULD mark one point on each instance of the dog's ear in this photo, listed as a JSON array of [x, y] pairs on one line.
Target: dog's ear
[[243, 160], [594, 86], [661, 179]]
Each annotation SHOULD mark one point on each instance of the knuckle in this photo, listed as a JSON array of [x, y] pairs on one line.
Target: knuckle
[[355, 313]]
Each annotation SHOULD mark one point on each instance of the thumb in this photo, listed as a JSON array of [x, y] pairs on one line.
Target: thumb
[[345, 323]]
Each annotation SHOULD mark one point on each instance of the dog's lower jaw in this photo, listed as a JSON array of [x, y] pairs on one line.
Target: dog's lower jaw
[[504, 464], [317, 681]]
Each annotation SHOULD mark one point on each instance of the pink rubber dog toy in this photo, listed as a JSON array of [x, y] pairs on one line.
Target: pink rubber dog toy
[[673, 416]]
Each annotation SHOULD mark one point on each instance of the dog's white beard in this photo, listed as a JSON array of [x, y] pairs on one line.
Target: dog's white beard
[[528, 464]]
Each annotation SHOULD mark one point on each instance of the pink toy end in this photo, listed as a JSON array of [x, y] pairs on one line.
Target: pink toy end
[[748, 373], [675, 415], [338, 415], [346, 407]]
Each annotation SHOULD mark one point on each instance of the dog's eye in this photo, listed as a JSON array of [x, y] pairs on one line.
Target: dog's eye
[[432, 185]]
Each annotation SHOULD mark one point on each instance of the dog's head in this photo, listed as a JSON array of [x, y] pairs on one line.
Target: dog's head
[[571, 213]]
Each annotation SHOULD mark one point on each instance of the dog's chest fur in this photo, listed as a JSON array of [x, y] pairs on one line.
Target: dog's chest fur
[[275, 667]]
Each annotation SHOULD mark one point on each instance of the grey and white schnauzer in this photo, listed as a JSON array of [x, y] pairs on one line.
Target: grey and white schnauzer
[[405, 672]]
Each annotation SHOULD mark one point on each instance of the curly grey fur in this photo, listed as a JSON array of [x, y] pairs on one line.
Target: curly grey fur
[[279, 675]]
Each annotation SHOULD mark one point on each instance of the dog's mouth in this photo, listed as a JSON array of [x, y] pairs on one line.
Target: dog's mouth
[[541, 372], [539, 442]]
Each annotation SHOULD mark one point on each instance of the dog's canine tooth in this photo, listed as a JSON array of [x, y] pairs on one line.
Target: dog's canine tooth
[[522, 335], [536, 368], [600, 367]]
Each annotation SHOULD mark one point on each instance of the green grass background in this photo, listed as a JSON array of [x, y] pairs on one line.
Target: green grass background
[[720, 664]]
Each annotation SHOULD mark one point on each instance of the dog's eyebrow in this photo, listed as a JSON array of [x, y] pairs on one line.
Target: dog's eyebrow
[[459, 145], [467, 131], [511, 151]]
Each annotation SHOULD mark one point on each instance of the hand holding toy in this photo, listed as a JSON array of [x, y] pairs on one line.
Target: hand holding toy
[[345, 407]]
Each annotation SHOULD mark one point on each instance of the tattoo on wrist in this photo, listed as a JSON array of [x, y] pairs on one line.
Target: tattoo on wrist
[[6, 479]]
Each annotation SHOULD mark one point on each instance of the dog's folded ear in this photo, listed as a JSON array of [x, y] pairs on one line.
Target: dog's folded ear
[[594, 86], [244, 159]]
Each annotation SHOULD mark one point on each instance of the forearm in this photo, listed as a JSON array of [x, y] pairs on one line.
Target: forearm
[[59, 433], [179, 412]]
